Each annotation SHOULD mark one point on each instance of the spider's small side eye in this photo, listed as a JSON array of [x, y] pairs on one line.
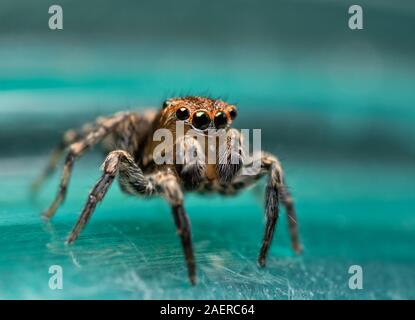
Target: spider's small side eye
[[165, 104], [182, 113], [233, 113], [221, 120]]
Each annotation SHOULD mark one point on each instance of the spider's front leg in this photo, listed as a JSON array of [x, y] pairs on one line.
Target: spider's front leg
[[276, 190], [103, 128], [132, 180], [167, 185]]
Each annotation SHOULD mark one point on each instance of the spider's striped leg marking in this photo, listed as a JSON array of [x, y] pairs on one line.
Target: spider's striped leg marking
[[168, 186], [69, 137], [130, 174], [275, 190], [190, 168], [229, 157], [104, 127]]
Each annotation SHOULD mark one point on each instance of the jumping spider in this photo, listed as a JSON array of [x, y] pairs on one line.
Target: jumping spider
[[127, 137]]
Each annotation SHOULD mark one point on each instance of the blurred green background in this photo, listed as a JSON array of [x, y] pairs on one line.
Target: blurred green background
[[336, 106]]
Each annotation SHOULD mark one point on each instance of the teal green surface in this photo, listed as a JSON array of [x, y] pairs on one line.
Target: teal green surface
[[130, 249]]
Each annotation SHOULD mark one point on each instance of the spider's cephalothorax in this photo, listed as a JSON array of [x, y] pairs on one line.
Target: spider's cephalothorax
[[128, 139]]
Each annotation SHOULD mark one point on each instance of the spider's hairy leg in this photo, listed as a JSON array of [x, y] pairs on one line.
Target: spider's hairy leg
[[189, 167], [276, 190], [104, 127], [133, 181], [288, 203], [272, 192], [120, 162], [69, 137], [229, 156], [168, 185]]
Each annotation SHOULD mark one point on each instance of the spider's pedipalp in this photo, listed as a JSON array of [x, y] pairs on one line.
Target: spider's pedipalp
[[190, 168], [229, 155]]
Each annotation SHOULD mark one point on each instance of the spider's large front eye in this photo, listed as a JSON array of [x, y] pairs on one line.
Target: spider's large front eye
[[233, 113], [201, 120], [182, 113], [221, 120]]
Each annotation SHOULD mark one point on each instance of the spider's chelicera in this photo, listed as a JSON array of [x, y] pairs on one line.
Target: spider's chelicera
[[128, 138]]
